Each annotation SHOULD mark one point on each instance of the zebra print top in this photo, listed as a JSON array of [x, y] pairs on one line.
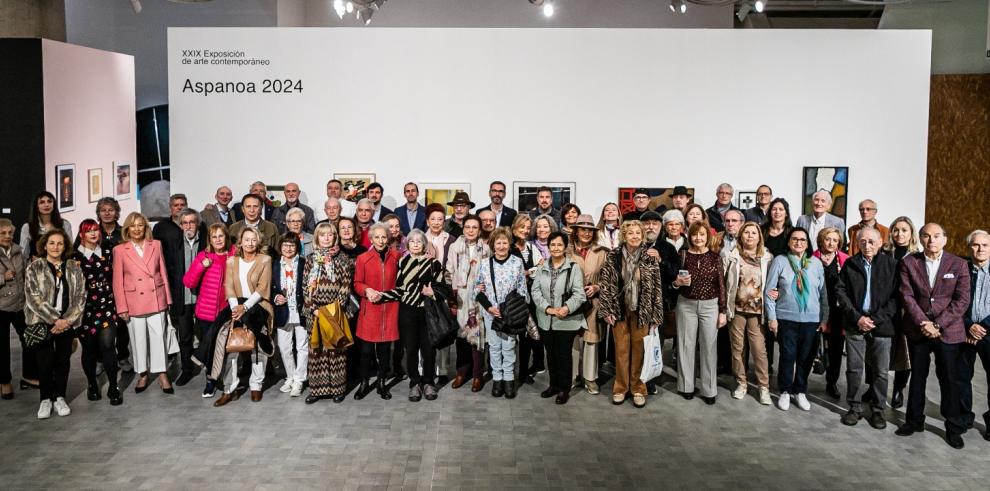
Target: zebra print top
[[414, 274]]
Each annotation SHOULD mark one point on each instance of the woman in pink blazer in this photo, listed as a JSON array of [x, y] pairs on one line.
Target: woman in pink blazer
[[140, 289]]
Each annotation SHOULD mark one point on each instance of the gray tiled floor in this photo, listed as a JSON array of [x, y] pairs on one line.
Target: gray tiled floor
[[467, 440]]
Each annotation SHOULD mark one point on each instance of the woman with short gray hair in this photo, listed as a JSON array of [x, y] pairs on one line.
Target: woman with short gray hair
[[295, 222]]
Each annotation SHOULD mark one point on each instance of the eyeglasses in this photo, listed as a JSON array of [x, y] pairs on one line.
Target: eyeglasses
[[867, 209], [763, 194], [293, 221], [798, 239]]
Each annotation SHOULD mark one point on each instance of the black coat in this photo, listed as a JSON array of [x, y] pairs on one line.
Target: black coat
[[715, 218], [239, 215], [670, 263], [282, 311], [173, 252], [883, 293]]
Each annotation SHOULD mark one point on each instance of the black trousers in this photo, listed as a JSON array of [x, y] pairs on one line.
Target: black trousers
[[207, 343], [184, 322], [530, 348], [981, 349], [723, 351], [835, 342], [412, 335], [953, 383], [29, 364], [100, 347], [372, 353], [123, 341], [558, 346], [769, 339], [53, 365]]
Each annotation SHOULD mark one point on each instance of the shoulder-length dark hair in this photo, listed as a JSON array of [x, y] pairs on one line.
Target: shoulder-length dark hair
[[787, 217], [34, 218]]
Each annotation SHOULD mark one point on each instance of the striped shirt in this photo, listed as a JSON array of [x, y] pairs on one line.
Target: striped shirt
[[414, 274]]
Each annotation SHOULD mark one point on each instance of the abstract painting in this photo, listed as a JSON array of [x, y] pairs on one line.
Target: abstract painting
[[833, 180], [65, 180], [658, 197], [443, 193], [95, 178], [355, 185], [122, 180], [525, 193]]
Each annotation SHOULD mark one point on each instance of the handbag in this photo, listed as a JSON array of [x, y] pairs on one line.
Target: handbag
[[331, 330], [172, 339], [36, 335], [514, 310], [585, 306], [652, 356], [240, 339], [441, 326], [820, 365]]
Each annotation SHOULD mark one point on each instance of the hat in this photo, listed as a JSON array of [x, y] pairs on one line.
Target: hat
[[678, 190], [461, 198], [584, 221], [639, 191], [650, 215], [673, 216]]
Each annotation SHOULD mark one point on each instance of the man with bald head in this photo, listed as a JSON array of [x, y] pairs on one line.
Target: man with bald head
[[219, 212], [868, 219], [867, 299], [292, 193], [820, 218], [935, 295], [332, 210]]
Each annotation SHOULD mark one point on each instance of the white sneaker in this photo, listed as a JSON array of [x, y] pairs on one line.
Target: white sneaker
[[740, 391], [296, 389], [802, 402], [765, 396], [61, 408], [45, 409], [287, 386], [784, 403]]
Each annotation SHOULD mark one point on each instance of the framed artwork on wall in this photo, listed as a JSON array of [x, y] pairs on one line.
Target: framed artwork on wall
[[355, 185], [658, 197], [745, 199], [65, 180], [834, 181], [443, 193], [524, 193], [123, 180], [95, 179]]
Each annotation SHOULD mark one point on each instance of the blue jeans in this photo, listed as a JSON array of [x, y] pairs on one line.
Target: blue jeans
[[502, 353], [797, 353]]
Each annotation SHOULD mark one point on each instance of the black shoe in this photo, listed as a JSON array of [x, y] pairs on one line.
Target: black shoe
[[652, 389], [562, 398], [184, 378], [498, 388], [339, 398], [383, 391], [138, 390], [832, 391], [687, 395], [362, 390], [312, 399], [550, 392], [877, 420], [93, 392], [25, 385], [851, 418], [954, 440], [709, 400], [510, 389], [528, 379], [908, 429], [115, 396], [897, 400]]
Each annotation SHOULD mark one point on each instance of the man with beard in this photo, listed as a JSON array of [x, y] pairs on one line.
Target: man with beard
[[487, 224], [411, 216], [375, 193], [670, 262], [462, 205], [544, 205], [503, 214]]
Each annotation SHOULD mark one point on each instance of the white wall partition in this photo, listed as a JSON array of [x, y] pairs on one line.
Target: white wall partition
[[602, 107]]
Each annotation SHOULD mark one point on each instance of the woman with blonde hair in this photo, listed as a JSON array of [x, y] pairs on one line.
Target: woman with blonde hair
[[901, 241]]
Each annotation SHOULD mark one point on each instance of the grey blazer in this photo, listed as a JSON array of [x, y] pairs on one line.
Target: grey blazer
[[804, 221]]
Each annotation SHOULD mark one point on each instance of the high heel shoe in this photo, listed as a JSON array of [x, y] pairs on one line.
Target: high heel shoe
[[168, 390], [25, 385], [7, 395], [140, 389]]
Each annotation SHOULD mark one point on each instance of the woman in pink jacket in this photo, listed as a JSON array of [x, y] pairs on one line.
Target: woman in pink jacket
[[140, 290], [206, 275], [378, 322]]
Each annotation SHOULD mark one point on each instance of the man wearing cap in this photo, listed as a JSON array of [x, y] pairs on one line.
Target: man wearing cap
[[503, 214], [670, 262], [462, 205], [758, 213], [723, 203], [680, 198], [641, 198]]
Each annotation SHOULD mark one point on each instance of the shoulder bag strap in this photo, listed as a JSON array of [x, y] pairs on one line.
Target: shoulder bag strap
[[491, 275]]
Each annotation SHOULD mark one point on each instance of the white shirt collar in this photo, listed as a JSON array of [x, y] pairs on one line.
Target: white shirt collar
[[88, 253]]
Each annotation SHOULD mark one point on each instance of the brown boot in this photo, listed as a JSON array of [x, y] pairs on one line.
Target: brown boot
[[476, 385], [459, 380], [224, 400], [255, 396]]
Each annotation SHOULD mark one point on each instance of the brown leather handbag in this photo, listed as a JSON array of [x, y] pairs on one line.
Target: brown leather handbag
[[240, 339]]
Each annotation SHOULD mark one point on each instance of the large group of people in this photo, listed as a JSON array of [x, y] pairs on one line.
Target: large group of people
[[240, 291]]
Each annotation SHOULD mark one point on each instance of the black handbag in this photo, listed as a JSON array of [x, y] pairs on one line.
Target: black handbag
[[514, 310], [585, 306], [441, 326], [820, 365]]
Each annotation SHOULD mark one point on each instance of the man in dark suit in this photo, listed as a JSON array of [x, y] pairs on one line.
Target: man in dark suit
[[182, 238], [411, 216], [504, 216], [375, 192], [292, 193], [260, 190], [723, 203], [220, 212], [934, 290]]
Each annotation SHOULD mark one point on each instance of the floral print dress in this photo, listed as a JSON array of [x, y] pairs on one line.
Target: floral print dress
[[100, 311]]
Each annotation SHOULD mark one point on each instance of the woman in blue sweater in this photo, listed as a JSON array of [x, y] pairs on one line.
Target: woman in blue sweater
[[796, 315]]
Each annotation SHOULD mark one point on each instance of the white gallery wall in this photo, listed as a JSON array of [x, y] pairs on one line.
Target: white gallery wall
[[602, 107]]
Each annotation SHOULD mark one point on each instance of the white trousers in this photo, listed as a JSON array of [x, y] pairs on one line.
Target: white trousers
[[295, 368], [584, 358], [258, 363], [148, 342]]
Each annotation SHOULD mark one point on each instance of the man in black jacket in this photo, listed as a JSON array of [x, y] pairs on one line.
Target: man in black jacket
[[182, 238], [866, 294], [723, 203], [504, 215], [977, 319], [670, 262], [260, 190]]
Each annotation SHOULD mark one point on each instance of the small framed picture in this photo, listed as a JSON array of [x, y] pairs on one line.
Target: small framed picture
[[65, 180], [525, 193], [355, 184], [443, 193], [95, 179], [745, 199], [123, 180]]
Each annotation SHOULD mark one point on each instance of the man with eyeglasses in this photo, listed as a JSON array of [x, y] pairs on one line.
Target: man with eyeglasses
[[868, 219], [292, 193], [487, 218], [641, 199], [723, 203], [758, 213], [504, 216]]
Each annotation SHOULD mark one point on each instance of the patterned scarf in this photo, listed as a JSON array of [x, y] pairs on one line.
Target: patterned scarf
[[322, 260], [630, 264], [801, 289]]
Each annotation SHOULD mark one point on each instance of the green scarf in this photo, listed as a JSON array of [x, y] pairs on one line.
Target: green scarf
[[801, 289]]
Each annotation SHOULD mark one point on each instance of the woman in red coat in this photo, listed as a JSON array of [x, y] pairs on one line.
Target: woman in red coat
[[378, 323]]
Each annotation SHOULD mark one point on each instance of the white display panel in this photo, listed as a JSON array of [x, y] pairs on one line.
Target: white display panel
[[601, 107]]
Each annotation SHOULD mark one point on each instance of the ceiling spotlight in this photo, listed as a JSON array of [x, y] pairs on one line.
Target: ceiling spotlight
[[339, 8], [759, 5], [548, 9], [349, 7], [678, 6], [136, 5]]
